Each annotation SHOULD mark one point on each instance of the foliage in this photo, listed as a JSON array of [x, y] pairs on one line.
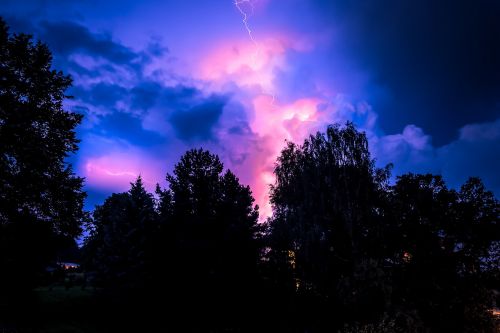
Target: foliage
[[326, 221], [347, 241], [36, 136], [41, 199], [210, 228], [442, 244], [118, 250]]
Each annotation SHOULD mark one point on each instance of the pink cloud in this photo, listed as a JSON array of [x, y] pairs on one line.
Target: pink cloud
[[251, 65], [273, 123], [244, 63], [250, 62]]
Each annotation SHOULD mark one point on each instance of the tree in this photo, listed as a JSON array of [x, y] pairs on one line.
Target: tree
[[209, 236], [476, 246], [326, 220], [423, 270], [442, 246], [40, 196], [477, 231], [416, 254], [119, 249]]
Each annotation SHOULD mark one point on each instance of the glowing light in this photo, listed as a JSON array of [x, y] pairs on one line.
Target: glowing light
[[291, 258], [239, 4], [252, 64], [407, 257], [117, 170]]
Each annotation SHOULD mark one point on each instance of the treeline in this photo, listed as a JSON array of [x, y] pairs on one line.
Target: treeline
[[411, 257], [346, 249], [197, 248], [343, 247]]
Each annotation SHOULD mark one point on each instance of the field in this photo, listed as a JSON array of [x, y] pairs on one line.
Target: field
[[69, 310]]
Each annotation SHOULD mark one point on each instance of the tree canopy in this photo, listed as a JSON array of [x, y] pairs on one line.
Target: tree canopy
[[36, 136], [210, 229], [117, 248], [41, 199], [414, 255]]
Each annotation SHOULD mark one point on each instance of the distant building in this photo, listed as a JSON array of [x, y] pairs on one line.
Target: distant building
[[68, 265]]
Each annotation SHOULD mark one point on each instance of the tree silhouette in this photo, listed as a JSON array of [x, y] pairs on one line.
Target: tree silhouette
[[325, 222], [423, 270], [413, 256], [210, 236], [40, 196], [442, 244], [477, 231], [119, 248]]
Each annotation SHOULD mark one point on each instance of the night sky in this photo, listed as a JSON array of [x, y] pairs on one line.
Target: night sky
[[155, 78]]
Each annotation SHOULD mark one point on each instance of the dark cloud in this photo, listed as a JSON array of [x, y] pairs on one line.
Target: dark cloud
[[156, 48], [145, 95], [101, 94], [192, 115], [127, 127], [475, 153], [19, 25], [437, 61], [107, 95], [198, 121], [67, 37], [181, 95]]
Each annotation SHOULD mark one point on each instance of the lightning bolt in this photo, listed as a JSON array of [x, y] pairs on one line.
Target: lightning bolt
[[238, 4]]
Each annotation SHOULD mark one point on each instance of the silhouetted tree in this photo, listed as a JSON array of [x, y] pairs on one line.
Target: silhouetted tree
[[119, 249], [421, 207], [327, 222], [475, 239], [210, 236], [477, 231], [442, 245], [40, 196], [408, 257]]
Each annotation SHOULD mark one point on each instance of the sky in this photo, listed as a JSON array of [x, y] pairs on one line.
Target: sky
[[156, 78]]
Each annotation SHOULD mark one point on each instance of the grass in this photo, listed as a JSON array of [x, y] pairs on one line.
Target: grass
[[68, 310]]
